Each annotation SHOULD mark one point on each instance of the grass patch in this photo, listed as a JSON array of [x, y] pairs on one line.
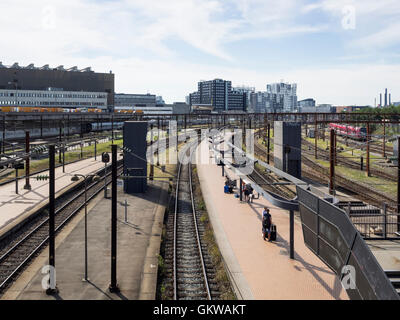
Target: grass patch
[[382, 185]]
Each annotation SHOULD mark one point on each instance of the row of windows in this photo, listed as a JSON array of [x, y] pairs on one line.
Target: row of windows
[[53, 95], [47, 103]]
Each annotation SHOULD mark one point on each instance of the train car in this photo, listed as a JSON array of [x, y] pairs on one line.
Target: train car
[[8, 109], [95, 126], [356, 133]]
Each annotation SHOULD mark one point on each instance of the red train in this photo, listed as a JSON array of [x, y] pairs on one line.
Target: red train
[[356, 133]]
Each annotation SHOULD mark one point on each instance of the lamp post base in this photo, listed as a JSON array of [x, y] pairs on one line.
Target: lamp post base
[[113, 289], [51, 291], [27, 187]]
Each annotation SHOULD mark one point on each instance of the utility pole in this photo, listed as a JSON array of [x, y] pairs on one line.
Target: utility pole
[[59, 140], [398, 184], [316, 137], [52, 178], [268, 141], [332, 162], [113, 286], [223, 163], [335, 149], [27, 162], [112, 128], [291, 234], [240, 190], [384, 140], [151, 175], [367, 160]]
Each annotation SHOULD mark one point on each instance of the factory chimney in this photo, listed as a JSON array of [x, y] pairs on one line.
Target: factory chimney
[[380, 101], [390, 99], [385, 97]]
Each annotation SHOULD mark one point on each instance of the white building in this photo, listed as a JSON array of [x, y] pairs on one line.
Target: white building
[[53, 98]]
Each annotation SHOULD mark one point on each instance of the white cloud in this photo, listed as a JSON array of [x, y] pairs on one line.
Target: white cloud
[[118, 36], [377, 21], [389, 36], [342, 85]]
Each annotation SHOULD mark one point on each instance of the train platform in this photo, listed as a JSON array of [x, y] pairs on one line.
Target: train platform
[[261, 269], [17, 207], [137, 259]]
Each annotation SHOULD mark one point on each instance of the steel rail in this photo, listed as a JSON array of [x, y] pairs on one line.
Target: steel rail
[[37, 228], [198, 241], [197, 231]]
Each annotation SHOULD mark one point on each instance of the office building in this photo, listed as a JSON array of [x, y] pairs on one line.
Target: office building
[[306, 103], [219, 94], [247, 91], [135, 100], [262, 101]]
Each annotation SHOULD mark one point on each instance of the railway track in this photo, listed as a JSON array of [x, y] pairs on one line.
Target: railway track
[[190, 265], [363, 191], [324, 155], [266, 180], [316, 172], [356, 144], [15, 256]]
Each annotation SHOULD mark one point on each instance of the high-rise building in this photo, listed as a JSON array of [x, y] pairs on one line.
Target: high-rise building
[[285, 92], [259, 101], [247, 91], [218, 93]]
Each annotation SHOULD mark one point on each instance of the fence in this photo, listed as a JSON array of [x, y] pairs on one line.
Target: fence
[[331, 235], [371, 222]]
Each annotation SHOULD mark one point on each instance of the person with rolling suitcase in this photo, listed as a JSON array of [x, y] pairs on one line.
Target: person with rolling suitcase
[[273, 233], [267, 224]]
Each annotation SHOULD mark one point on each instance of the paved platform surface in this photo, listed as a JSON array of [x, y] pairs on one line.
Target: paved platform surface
[[387, 252], [138, 249], [14, 205], [261, 269]]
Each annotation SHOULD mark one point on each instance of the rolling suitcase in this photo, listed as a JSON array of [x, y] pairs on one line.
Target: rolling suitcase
[[273, 232]]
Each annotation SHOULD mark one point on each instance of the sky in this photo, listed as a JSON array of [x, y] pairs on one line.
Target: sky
[[342, 52]]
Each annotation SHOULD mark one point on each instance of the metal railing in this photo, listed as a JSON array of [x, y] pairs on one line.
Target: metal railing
[[330, 234], [373, 223]]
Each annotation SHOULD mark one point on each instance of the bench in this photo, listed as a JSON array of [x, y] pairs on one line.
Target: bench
[[231, 183]]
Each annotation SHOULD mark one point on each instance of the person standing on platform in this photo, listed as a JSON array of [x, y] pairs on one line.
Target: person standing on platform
[[266, 224]]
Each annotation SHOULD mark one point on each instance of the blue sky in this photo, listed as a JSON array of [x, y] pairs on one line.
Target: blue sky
[[337, 51]]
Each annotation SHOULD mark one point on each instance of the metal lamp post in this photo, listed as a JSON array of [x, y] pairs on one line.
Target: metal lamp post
[[76, 178]]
